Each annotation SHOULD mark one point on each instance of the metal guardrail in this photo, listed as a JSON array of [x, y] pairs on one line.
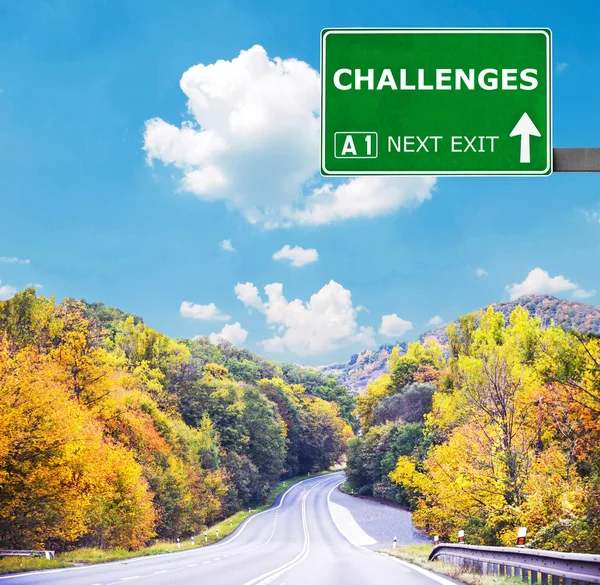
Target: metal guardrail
[[537, 566], [47, 554]]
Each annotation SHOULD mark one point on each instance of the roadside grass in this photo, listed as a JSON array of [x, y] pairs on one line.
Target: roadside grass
[[418, 554], [22, 564], [82, 556]]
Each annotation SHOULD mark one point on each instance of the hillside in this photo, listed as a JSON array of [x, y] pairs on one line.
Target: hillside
[[368, 365], [113, 434]]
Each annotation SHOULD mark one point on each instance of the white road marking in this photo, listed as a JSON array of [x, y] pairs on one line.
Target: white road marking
[[348, 526], [146, 557], [192, 565], [278, 571], [407, 565], [425, 572], [129, 578], [160, 572]]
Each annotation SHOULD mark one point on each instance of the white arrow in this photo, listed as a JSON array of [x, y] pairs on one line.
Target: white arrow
[[525, 128]]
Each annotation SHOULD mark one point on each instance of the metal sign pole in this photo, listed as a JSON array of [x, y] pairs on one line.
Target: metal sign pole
[[576, 160]]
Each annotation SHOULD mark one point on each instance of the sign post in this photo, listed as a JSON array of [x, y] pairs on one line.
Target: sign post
[[436, 102]]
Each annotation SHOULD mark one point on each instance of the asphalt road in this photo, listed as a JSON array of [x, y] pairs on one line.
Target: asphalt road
[[296, 542], [382, 523]]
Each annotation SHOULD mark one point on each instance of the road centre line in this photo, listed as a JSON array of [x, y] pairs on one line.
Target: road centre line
[[278, 571], [153, 557]]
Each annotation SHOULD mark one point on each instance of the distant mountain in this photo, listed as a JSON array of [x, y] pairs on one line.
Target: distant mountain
[[368, 365]]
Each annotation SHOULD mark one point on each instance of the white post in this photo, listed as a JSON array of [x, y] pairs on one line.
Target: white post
[[521, 535], [178, 543], [394, 545], [192, 541]]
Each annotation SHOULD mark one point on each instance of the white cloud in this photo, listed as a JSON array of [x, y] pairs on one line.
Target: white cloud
[[561, 66], [254, 143], [365, 196], [538, 281], [394, 326], [480, 272], [297, 255], [208, 312], [580, 293], [7, 291], [593, 216], [233, 333], [14, 260], [227, 246], [435, 321], [249, 295], [323, 323]]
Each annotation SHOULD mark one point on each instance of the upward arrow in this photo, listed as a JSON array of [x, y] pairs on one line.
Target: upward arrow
[[525, 128]]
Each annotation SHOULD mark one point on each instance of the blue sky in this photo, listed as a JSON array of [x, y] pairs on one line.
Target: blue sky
[[78, 199]]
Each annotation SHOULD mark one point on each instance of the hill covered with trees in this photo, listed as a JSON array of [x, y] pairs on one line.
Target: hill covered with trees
[[113, 434], [368, 365], [499, 429]]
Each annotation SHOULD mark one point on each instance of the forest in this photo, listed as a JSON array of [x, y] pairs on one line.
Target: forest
[[500, 430], [113, 435]]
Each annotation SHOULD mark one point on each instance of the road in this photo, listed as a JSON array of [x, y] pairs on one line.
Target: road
[[296, 542]]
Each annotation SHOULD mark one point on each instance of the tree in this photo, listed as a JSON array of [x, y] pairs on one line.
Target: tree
[[410, 405]]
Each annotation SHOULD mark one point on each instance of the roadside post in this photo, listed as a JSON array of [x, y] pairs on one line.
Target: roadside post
[[178, 543], [440, 102], [193, 541], [461, 536], [521, 535], [436, 540], [394, 545]]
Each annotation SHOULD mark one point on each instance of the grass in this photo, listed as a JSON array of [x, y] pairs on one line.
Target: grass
[[418, 554], [81, 556]]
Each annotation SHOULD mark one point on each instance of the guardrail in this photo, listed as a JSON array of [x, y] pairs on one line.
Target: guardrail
[[47, 554], [539, 566]]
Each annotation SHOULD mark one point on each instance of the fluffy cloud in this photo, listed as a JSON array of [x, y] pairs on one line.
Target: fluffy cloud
[[480, 272], [227, 246], [249, 295], [6, 291], [323, 323], [234, 334], [435, 321], [297, 256], [394, 326], [538, 281], [365, 196], [254, 143], [14, 260], [580, 293], [208, 312]]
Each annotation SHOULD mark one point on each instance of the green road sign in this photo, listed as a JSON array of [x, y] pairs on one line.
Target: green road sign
[[436, 102]]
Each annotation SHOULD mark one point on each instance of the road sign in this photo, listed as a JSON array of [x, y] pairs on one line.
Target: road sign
[[436, 102]]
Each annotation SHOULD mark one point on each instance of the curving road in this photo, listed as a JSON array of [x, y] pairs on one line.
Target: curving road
[[298, 541]]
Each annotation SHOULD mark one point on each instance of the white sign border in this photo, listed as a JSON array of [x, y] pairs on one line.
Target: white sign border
[[547, 32]]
